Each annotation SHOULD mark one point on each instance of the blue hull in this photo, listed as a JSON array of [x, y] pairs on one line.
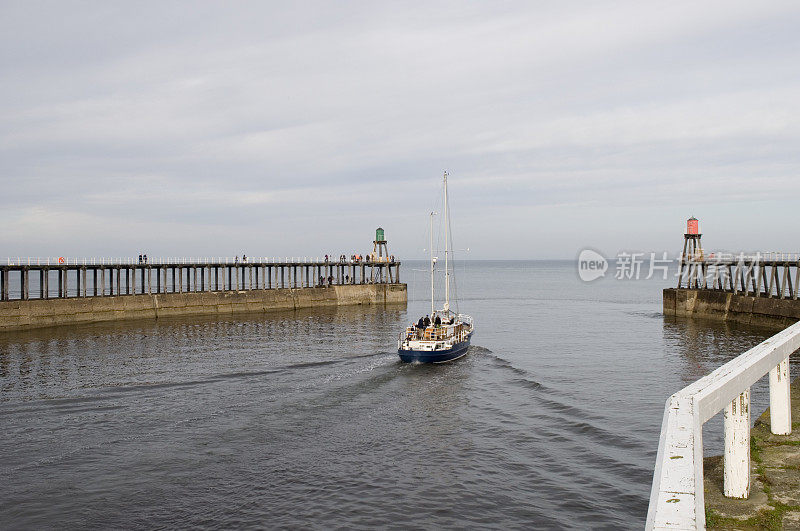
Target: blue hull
[[435, 356]]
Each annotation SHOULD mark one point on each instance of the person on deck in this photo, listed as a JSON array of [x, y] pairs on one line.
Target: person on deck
[[438, 321], [427, 321]]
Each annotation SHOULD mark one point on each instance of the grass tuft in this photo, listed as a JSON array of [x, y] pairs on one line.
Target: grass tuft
[[755, 449]]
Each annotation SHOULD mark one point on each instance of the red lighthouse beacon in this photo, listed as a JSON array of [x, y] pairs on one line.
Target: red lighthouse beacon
[[692, 226], [692, 255], [692, 250]]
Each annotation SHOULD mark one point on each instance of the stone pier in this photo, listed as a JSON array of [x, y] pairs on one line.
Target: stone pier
[[84, 291], [726, 306], [22, 314]]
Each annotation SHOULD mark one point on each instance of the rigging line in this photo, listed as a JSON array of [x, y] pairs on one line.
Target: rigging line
[[426, 232], [439, 225], [436, 207], [436, 268], [453, 255]]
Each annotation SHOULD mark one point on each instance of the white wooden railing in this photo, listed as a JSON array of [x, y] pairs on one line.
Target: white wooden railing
[[676, 499]]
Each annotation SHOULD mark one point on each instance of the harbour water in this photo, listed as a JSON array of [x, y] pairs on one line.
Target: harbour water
[[309, 419]]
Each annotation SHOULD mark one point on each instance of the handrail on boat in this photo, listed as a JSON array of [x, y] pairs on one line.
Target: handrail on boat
[[438, 333]]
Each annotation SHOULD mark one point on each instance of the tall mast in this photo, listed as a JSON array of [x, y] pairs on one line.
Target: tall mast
[[432, 265], [446, 248]]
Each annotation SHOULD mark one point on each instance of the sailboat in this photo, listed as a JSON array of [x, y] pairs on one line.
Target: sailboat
[[445, 336]]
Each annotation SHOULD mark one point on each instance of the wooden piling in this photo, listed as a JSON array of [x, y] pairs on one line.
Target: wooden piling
[[4, 284], [25, 273], [242, 276]]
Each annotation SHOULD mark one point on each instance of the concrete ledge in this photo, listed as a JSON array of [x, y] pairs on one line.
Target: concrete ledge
[[21, 315], [726, 306]]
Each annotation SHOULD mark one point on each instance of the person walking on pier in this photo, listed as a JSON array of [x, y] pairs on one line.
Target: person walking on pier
[[144, 257], [140, 258]]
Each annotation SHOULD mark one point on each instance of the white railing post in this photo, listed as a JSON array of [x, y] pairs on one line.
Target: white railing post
[[780, 401], [676, 499], [736, 461]]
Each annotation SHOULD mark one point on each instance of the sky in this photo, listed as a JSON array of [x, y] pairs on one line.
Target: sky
[[297, 128]]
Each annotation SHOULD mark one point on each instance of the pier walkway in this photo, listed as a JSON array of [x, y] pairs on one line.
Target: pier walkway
[[63, 278], [760, 289], [772, 275], [774, 501]]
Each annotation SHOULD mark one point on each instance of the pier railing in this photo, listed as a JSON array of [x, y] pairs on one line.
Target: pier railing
[[130, 260], [97, 277], [676, 499], [772, 275]]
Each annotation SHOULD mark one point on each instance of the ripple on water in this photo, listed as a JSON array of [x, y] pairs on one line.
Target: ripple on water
[[302, 418]]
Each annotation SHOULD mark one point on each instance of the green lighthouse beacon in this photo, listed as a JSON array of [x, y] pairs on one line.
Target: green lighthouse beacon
[[380, 253]]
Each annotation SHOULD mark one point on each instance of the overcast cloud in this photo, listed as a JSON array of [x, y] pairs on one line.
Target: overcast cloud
[[296, 128]]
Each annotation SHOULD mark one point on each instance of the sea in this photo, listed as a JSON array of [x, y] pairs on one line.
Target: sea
[[307, 419]]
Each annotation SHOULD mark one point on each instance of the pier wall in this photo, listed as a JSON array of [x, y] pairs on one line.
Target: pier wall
[[36, 313], [727, 306]]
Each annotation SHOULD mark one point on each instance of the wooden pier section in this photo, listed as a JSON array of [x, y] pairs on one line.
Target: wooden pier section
[[768, 276], [755, 290], [82, 279], [72, 293]]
